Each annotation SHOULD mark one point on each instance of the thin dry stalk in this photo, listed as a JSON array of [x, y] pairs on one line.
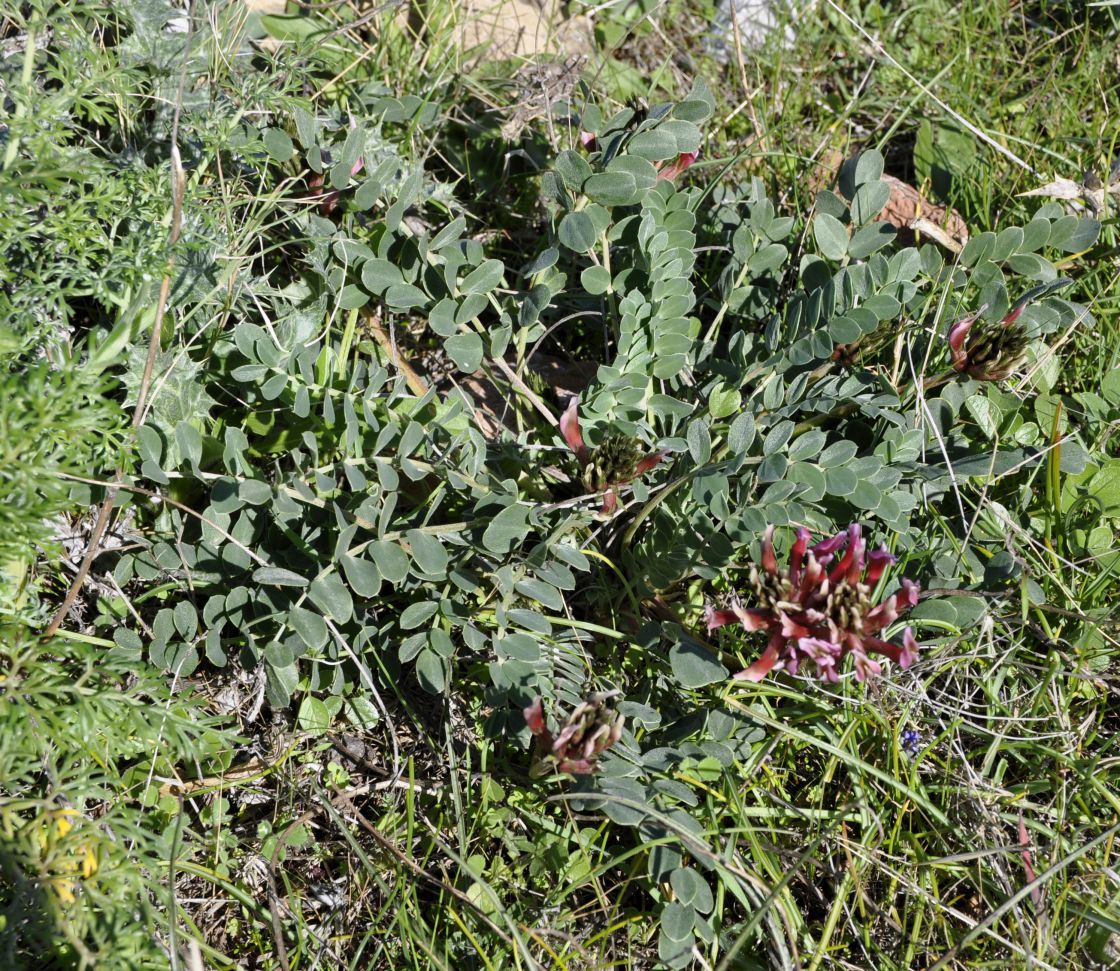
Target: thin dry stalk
[[178, 187], [418, 385]]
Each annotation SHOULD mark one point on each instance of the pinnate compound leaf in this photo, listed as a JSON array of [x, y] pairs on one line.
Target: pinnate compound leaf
[[431, 671], [612, 188], [466, 350], [596, 280], [282, 681], [278, 144], [483, 278], [691, 889], [330, 595], [404, 296], [677, 921], [577, 232], [313, 716], [573, 169], [310, 627], [417, 613], [378, 275]]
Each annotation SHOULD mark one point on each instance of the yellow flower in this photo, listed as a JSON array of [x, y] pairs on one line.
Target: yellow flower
[[89, 862], [58, 824]]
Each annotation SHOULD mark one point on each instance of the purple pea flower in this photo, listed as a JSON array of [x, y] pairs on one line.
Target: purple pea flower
[[818, 610], [911, 741]]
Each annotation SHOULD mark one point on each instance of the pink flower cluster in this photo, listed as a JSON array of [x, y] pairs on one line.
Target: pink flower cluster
[[589, 731], [677, 166], [818, 609], [994, 352], [665, 170]]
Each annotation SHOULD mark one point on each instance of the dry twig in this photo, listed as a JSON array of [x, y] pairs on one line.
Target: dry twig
[[178, 187]]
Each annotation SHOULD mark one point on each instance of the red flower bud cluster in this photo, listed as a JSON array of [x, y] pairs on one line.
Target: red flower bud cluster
[[993, 352], [589, 731], [615, 462]]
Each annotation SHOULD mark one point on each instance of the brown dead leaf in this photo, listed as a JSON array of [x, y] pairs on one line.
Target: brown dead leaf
[[915, 215], [540, 84], [907, 209]]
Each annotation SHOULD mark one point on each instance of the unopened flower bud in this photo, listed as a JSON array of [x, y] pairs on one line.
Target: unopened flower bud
[[590, 730], [991, 352]]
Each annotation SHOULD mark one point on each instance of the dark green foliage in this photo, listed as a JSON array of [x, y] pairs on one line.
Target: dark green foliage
[[370, 548]]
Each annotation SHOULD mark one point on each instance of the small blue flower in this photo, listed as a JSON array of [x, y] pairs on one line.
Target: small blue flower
[[911, 741]]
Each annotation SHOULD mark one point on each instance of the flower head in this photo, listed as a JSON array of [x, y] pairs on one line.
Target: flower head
[[993, 352], [617, 460], [71, 860], [911, 741], [818, 609], [589, 731], [677, 166]]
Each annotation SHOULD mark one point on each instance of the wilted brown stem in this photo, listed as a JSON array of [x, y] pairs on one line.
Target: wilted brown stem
[[418, 385]]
